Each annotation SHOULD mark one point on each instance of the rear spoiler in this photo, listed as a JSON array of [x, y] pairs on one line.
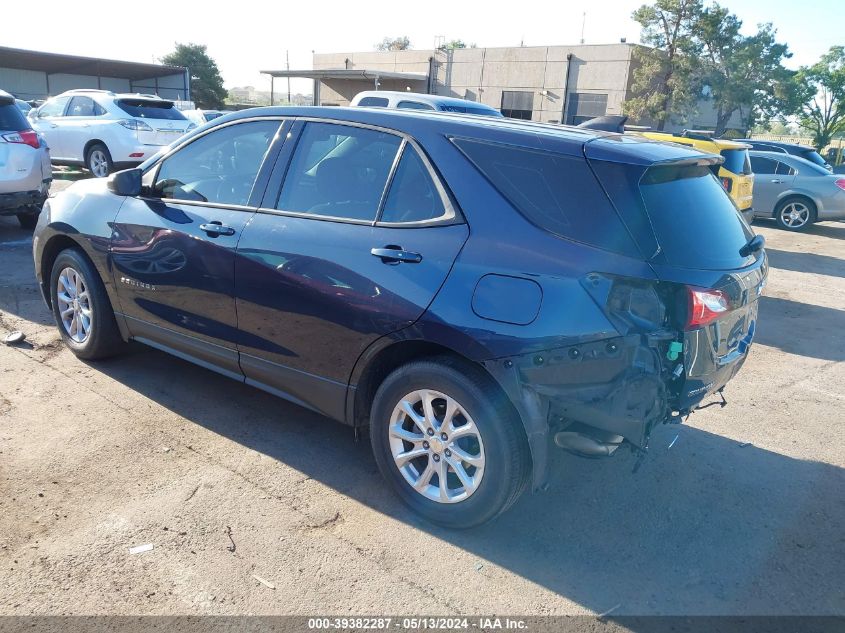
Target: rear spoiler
[[144, 100], [6, 100]]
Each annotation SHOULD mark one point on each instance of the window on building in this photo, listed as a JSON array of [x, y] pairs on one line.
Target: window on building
[[518, 104], [584, 106]]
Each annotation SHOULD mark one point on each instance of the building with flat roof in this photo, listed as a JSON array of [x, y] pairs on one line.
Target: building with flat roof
[[568, 84], [35, 75]]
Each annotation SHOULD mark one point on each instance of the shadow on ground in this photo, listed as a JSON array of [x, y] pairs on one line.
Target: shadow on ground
[[795, 328], [807, 262], [708, 526]]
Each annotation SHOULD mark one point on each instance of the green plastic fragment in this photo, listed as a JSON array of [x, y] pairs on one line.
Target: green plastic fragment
[[675, 349]]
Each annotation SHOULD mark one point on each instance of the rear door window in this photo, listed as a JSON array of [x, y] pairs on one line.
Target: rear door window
[[696, 224], [338, 171], [150, 109], [555, 192], [81, 106]]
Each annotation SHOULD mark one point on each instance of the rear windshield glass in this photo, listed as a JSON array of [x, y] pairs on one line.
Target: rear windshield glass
[[555, 192], [813, 156], [144, 109], [696, 224], [736, 161], [12, 119], [373, 102]]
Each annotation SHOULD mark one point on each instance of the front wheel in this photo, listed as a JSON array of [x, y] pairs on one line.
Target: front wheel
[[81, 307], [98, 161], [448, 442]]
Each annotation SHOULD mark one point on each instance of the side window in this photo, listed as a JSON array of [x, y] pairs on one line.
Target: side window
[[345, 178], [784, 170], [54, 107], [555, 192], [373, 102], [220, 167], [760, 165], [414, 105], [81, 106], [413, 196]]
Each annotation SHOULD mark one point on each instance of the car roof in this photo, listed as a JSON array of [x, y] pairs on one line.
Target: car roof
[[789, 159], [780, 144], [608, 146], [426, 98]]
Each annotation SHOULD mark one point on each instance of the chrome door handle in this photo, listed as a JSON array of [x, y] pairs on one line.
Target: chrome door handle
[[776, 181], [216, 228], [395, 255]]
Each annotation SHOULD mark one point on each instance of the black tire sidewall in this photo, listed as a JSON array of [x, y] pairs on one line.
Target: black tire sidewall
[[104, 338], [105, 151], [806, 202], [503, 471]]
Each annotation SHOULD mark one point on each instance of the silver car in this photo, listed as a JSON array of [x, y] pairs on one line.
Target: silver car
[[794, 191], [25, 172]]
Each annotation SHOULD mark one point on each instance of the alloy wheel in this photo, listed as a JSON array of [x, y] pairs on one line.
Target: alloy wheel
[[795, 215], [98, 163], [74, 304], [436, 446]]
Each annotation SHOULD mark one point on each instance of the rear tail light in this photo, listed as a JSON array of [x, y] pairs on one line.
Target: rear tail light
[[705, 306], [727, 184], [840, 183], [27, 137], [135, 125]]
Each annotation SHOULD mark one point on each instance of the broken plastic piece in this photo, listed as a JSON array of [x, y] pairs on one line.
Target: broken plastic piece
[[675, 349], [13, 338], [140, 549], [266, 583]]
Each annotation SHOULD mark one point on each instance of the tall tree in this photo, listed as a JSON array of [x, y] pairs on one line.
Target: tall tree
[[740, 71], [821, 93], [453, 44], [394, 44], [207, 89], [664, 76]]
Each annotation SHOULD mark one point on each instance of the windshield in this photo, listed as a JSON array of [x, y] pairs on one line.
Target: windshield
[[736, 161], [694, 220], [149, 109]]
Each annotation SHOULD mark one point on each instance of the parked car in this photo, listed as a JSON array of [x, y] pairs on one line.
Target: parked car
[[23, 106], [419, 101], [607, 284], [103, 131], [201, 117], [25, 172], [793, 149], [734, 173], [796, 192]]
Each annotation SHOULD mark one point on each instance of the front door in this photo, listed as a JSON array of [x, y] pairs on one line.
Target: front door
[[318, 278], [48, 122], [173, 250], [771, 179]]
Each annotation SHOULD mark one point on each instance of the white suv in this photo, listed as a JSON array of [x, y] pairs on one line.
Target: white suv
[[104, 131]]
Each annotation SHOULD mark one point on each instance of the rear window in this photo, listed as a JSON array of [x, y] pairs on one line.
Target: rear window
[[373, 102], [813, 156], [555, 192], [12, 119], [149, 109], [694, 220], [736, 161]]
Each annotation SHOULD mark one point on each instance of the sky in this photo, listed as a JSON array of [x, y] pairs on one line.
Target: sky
[[245, 37]]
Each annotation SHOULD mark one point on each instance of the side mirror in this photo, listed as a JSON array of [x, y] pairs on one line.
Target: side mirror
[[126, 182]]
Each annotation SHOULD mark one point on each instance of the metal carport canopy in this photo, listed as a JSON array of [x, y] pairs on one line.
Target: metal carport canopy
[[341, 73], [55, 63]]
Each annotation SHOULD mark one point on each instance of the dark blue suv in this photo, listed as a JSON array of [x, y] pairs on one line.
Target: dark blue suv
[[471, 290]]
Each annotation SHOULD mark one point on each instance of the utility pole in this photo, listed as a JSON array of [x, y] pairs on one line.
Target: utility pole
[[287, 66], [583, 23]]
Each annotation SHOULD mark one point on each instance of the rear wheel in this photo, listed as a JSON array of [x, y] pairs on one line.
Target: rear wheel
[[82, 309], [98, 160], [795, 214], [448, 442]]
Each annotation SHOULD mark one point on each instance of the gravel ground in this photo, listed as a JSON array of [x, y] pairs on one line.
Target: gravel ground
[[744, 514]]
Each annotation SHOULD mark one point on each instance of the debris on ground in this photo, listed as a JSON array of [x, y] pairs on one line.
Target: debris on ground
[[266, 583], [744, 444], [231, 547], [140, 549], [14, 338]]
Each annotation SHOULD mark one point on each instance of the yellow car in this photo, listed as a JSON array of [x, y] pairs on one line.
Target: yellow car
[[735, 173]]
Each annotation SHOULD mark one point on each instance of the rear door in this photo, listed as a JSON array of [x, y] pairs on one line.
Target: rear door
[[353, 245], [173, 249]]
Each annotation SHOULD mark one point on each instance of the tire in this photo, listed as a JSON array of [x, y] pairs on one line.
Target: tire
[[795, 214], [98, 160], [488, 428], [28, 220], [88, 302]]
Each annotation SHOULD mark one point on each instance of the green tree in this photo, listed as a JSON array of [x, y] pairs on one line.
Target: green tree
[[664, 79], [207, 89], [394, 44], [820, 90], [453, 44], [740, 71]]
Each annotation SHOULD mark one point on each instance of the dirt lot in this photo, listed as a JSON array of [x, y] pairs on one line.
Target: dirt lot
[[744, 514]]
